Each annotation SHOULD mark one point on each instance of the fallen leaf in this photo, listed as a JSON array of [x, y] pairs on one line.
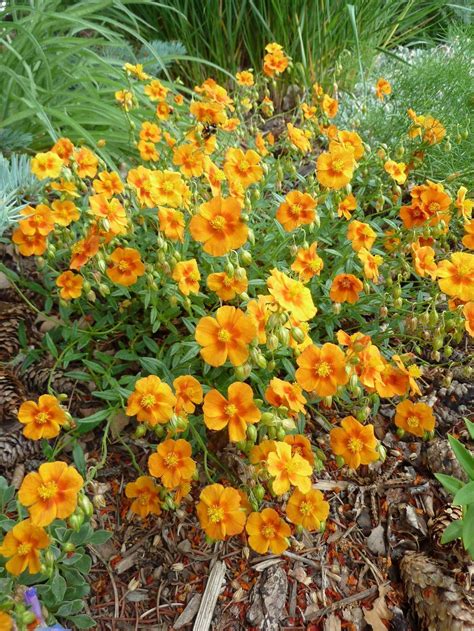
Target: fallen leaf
[[118, 422], [379, 611], [376, 540], [332, 623]]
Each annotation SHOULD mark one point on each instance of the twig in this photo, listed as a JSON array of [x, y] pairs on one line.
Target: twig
[[367, 593], [209, 598], [112, 580]]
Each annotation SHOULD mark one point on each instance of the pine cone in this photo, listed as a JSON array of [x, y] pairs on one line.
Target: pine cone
[[439, 602], [11, 316], [14, 448], [440, 458], [12, 395], [36, 378]]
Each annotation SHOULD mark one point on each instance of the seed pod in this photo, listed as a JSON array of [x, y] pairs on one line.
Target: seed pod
[[297, 334], [280, 434], [272, 342], [245, 257], [284, 336], [259, 493]]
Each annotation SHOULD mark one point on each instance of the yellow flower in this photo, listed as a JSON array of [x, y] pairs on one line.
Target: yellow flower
[[288, 469]]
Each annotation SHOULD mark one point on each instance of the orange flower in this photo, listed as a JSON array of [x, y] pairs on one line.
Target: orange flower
[[186, 274], [243, 167], [291, 295], [63, 186], [163, 111], [259, 313], [125, 99], [424, 260], [307, 263], [349, 140], [172, 463], [355, 343], [360, 235], [468, 239], [150, 132], [86, 162], [275, 61], [396, 170], [227, 287], [391, 382], [45, 165], [300, 445], [347, 205], [245, 78], [6, 622], [370, 367], [456, 277], [146, 496], [111, 210], [84, 250], [220, 512], [169, 189], [355, 443], [51, 492], [188, 392], [371, 264], [288, 469], [226, 336], [298, 138], [39, 220], [434, 131], [284, 394], [235, 412], [329, 106], [22, 545], [29, 245], [156, 91], [345, 288], [412, 372], [151, 401], [267, 531], [464, 205], [64, 148], [126, 266], [42, 419], [148, 151], [219, 226], [308, 510], [382, 89], [468, 311], [70, 284], [297, 209], [335, 168], [211, 113], [258, 455], [321, 370], [415, 418], [64, 212], [190, 160], [172, 223]]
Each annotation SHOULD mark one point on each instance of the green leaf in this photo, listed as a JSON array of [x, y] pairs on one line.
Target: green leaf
[[70, 608], [470, 427], [82, 622], [465, 495], [464, 456], [450, 484], [58, 587], [50, 345], [89, 422], [82, 535], [99, 537], [468, 528], [79, 458], [453, 531]]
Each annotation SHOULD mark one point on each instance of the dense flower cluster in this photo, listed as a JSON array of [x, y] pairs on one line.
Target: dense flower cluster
[[294, 269]]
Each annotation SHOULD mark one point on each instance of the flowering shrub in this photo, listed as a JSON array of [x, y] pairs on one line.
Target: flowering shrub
[[249, 290]]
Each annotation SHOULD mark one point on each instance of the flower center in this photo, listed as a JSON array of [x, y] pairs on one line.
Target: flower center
[[434, 207], [324, 369], [215, 514], [223, 336], [147, 401], [338, 166], [354, 445], [123, 265], [228, 282], [171, 460], [305, 508], [48, 490], [346, 283], [144, 499], [268, 532], [168, 187], [42, 418], [218, 222], [295, 210], [314, 265], [231, 410], [244, 165], [24, 549], [413, 421]]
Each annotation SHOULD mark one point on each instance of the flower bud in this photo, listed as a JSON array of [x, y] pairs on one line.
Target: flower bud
[[252, 433], [245, 257], [297, 334], [86, 505], [272, 342], [259, 492], [280, 434], [336, 307], [400, 432], [104, 290], [340, 461]]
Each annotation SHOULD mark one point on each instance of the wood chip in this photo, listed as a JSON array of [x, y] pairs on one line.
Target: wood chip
[[209, 598], [189, 612]]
